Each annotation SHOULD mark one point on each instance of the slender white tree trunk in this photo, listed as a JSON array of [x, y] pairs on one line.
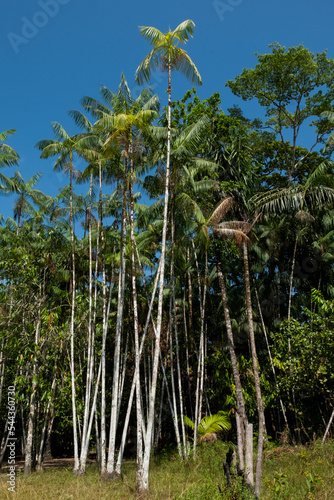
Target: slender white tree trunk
[[187, 353], [104, 315], [90, 347], [136, 331], [289, 339], [328, 427], [120, 303], [48, 416], [173, 322], [149, 316], [200, 366], [249, 470], [175, 411], [72, 369], [149, 431], [291, 275]]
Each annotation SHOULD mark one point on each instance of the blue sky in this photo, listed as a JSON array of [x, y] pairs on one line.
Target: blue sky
[[53, 52]]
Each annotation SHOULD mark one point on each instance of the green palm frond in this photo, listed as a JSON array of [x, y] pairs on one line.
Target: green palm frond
[[94, 106], [214, 423], [8, 157], [60, 132], [211, 423], [322, 175], [185, 65], [80, 119], [152, 35], [184, 31], [189, 422], [188, 205], [144, 70], [191, 138], [279, 200], [147, 101], [4, 135], [107, 95]]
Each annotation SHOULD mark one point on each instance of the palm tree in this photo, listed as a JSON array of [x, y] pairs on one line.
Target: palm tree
[[66, 147], [238, 230], [121, 122], [210, 424], [8, 157], [24, 190], [165, 54], [125, 125]]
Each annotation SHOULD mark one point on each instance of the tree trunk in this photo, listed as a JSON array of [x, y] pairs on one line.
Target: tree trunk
[[32, 408], [48, 417], [241, 410], [271, 360], [90, 348], [149, 316], [136, 331], [74, 410], [120, 306], [328, 427], [148, 438], [200, 366], [249, 471], [256, 374]]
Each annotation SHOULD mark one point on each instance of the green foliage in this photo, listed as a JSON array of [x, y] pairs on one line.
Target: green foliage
[[211, 423]]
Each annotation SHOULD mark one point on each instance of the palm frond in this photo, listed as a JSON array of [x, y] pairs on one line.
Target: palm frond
[[214, 423], [220, 211], [152, 35], [234, 234], [80, 119], [184, 31], [144, 70], [183, 63], [189, 422]]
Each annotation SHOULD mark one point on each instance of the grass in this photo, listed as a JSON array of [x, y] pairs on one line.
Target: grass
[[290, 473], [300, 473]]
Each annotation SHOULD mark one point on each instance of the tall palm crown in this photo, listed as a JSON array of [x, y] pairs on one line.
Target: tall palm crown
[[167, 54]]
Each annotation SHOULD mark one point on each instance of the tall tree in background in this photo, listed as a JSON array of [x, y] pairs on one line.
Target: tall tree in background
[[293, 85]]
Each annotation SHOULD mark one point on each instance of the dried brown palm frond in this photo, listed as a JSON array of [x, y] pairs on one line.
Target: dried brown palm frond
[[235, 234], [304, 217], [68, 168], [243, 226], [221, 210]]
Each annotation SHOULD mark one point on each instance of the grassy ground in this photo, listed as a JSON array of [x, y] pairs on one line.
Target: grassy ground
[[290, 473]]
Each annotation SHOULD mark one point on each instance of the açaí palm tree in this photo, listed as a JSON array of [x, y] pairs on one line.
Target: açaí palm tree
[[165, 54]]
